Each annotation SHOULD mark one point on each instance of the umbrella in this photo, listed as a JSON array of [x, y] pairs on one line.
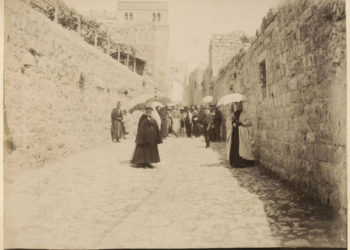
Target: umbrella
[[139, 102], [230, 98], [162, 99], [157, 104], [208, 99]]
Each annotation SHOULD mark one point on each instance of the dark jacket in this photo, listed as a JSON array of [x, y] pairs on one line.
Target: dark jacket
[[148, 131]]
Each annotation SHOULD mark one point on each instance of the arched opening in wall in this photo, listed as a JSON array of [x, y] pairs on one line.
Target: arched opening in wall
[[158, 17], [262, 76], [153, 17], [131, 16], [126, 16]]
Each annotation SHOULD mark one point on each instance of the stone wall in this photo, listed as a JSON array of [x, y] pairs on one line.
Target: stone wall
[[196, 86], [151, 42], [299, 113], [223, 47], [58, 90]]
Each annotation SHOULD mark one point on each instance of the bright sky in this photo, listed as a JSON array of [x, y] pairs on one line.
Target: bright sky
[[192, 22]]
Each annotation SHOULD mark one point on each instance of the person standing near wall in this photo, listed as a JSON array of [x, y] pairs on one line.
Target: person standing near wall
[[232, 136], [117, 126], [246, 136]]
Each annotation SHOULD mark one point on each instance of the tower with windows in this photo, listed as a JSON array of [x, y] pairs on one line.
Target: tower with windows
[[155, 12]]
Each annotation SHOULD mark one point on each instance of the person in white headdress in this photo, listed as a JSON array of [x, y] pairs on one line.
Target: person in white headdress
[[155, 114]]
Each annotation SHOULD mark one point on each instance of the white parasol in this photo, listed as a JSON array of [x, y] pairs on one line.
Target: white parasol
[[230, 98], [207, 99]]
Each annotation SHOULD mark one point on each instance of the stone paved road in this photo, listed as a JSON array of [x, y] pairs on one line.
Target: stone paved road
[[95, 199]]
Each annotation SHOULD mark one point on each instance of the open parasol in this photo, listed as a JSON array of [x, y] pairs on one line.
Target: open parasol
[[230, 98], [208, 99]]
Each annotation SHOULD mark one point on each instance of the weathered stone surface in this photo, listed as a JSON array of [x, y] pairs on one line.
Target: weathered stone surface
[[58, 94], [305, 95]]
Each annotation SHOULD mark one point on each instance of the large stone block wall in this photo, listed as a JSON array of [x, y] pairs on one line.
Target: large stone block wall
[[223, 47], [300, 116], [196, 86], [58, 90]]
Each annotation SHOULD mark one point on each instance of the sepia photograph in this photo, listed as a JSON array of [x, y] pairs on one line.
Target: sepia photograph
[[174, 124]]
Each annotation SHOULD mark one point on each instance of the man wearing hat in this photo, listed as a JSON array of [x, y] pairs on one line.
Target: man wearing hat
[[207, 122]]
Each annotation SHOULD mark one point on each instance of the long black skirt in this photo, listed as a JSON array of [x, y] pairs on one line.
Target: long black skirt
[[235, 159], [146, 154]]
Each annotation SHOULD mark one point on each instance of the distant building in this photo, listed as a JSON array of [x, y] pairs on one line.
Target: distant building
[[223, 47], [142, 25], [196, 86], [178, 80]]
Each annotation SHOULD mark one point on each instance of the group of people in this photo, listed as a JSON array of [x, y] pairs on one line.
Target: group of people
[[190, 120], [156, 123]]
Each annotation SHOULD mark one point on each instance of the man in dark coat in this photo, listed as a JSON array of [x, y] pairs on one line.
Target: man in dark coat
[[207, 122], [188, 122], [117, 125], [217, 124], [147, 140]]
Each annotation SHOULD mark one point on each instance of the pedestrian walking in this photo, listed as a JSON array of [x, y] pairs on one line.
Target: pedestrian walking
[[147, 140], [183, 116], [117, 125], [176, 114], [196, 124], [188, 123], [207, 122], [212, 127]]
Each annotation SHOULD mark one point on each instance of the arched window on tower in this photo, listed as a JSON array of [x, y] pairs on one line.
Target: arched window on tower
[[154, 17], [158, 17], [131, 16], [126, 16]]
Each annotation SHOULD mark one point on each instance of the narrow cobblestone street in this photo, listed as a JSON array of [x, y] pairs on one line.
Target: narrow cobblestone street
[[190, 199]]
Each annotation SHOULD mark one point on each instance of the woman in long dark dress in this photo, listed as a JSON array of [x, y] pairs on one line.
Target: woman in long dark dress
[[232, 141], [147, 140]]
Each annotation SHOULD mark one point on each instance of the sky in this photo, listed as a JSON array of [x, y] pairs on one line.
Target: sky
[[193, 22]]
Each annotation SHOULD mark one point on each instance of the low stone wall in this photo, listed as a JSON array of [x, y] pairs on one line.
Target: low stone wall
[[58, 90], [294, 76]]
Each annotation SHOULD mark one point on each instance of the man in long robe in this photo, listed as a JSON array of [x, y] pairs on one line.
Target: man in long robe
[[117, 125]]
